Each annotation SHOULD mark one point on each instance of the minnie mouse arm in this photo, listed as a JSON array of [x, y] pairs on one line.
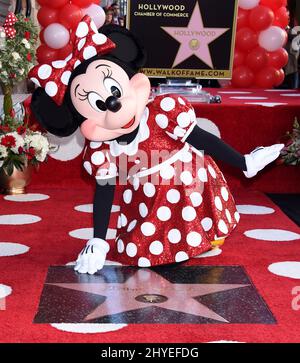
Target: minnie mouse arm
[[177, 117]]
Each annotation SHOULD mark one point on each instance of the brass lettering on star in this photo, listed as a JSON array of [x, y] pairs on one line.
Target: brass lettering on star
[[183, 73]]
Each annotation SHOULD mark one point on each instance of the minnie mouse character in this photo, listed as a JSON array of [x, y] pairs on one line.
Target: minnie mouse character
[[145, 155]]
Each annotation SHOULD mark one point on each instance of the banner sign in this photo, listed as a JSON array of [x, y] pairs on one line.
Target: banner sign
[[185, 38]]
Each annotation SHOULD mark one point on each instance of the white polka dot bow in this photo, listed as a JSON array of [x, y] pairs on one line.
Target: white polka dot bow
[[54, 77], [8, 25]]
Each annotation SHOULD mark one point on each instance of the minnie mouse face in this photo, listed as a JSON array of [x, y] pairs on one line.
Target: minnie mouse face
[[111, 103], [104, 95]]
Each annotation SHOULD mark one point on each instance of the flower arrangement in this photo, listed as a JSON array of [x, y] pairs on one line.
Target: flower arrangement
[[21, 144], [290, 154]]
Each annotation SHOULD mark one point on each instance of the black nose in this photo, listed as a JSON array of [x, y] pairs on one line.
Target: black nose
[[113, 104]]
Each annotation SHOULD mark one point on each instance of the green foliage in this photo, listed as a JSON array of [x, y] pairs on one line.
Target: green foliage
[[291, 152], [19, 54]]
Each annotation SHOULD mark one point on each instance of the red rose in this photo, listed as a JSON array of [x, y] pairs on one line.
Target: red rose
[[28, 57], [21, 130], [27, 35], [26, 19], [20, 150], [8, 141], [12, 75]]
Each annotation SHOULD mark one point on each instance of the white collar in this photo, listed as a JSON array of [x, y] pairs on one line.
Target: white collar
[[143, 134]]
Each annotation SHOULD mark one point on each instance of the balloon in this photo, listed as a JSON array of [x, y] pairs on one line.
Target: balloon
[[42, 36], [42, 2], [282, 18], [266, 78], [242, 18], [70, 16], [274, 4], [45, 54], [56, 3], [278, 59], [96, 13], [272, 38], [261, 18], [238, 58], [248, 4], [56, 36], [280, 76], [65, 51], [257, 59], [83, 3], [242, 77], [246, 39], [46, 16]]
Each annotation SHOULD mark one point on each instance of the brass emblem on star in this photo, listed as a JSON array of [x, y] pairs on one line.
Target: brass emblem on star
[[151, 298], [194, 44]]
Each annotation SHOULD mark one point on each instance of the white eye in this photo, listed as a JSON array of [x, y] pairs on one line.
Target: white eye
[[113, 87], [96, 101]]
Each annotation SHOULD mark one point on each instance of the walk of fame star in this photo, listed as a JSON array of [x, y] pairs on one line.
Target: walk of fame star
[[191, 294], [194, 39]]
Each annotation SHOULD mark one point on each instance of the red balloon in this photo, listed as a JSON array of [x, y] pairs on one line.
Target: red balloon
[[65, 51], [257, 59], [70, 15], [266, 78], [42, 36], [46, 16], [56, 4], [280, 75], [282, 18], [242, 77], [274, 4], [238, 58], [42, 2], [242, 18], [45, 54], [278, 59], [83, 3], [260, 18], [246, 39]]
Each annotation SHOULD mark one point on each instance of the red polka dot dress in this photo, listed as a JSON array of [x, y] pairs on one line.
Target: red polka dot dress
[[174, 200]]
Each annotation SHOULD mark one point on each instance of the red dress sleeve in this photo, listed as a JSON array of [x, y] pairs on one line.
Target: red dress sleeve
[[175, 115], [98, 161]]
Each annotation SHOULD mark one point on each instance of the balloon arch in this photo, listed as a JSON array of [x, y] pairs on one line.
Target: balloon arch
[[58, 19], [259, 54]]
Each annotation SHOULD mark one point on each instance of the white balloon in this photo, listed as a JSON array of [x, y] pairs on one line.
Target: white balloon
[[56, 36], [96, 13], [272, 38], [248, 4]]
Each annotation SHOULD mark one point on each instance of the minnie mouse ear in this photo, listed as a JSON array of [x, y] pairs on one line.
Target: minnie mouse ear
[[129, 48]]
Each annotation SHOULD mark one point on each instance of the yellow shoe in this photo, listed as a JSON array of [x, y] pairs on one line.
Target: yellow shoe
[[217, 243]]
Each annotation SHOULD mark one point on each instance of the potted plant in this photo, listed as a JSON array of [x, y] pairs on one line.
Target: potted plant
[[22, 147], [290, 154]]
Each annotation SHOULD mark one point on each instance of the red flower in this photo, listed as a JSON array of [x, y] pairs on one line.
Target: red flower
[[21, 130], [8, 141], [5, 128], [20, 150], [27, 35], [12, 75], [28, 57], [26, 19], [30, 153]]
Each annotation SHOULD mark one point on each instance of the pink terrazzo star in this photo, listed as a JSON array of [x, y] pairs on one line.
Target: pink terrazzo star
[[194, 39]]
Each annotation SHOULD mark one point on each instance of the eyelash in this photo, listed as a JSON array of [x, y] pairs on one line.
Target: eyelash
[[84, 96]]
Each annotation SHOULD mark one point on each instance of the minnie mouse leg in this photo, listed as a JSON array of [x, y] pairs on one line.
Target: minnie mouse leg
[[92, 257]]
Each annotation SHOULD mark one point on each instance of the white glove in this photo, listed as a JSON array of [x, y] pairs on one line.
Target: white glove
[[261, 157], [92, 257]]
